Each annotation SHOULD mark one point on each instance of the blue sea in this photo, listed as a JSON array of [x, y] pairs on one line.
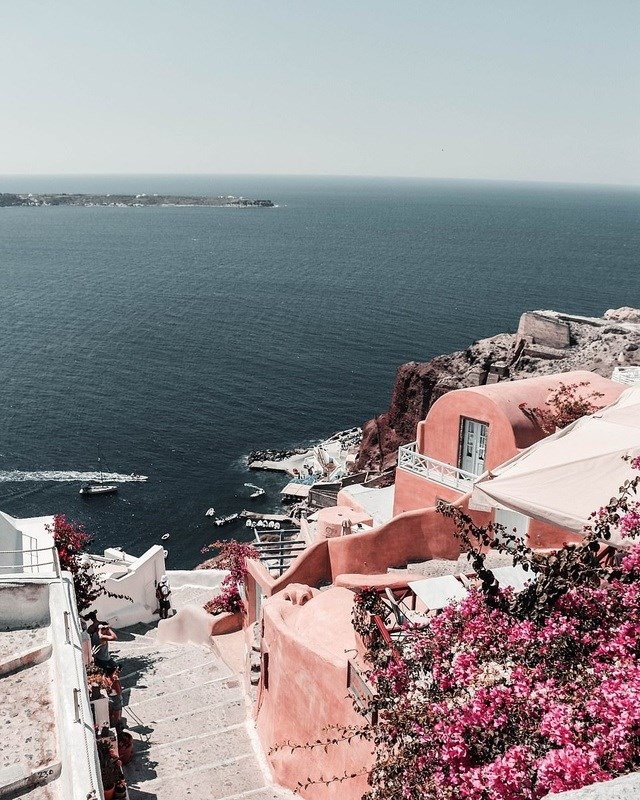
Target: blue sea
[[172, 341]]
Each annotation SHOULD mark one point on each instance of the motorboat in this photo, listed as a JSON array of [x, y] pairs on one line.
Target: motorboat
[[258, 491], [99, 486]]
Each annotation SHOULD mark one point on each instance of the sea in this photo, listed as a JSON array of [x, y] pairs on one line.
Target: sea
[[170, 342]]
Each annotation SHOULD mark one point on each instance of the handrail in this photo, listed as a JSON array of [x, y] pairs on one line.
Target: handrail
[[438, 471], [30, 550], [80, 684], [33, 565]]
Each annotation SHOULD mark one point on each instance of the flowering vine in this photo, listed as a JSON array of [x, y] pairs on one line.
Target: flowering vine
[[232, 556], [71, 541], [565, 405]]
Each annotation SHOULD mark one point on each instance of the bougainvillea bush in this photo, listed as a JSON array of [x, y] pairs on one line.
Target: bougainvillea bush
[[71, 541], [511, 697], [565, 405], [232, 556]]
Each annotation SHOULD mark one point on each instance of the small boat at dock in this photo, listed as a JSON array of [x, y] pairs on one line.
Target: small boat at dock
[[225, 520]]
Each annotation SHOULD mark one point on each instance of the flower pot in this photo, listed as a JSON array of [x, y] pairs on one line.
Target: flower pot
[[109, 793], [125, 747], [227, 622], [120, 791]]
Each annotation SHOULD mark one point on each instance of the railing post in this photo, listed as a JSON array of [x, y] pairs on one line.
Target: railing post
[[67, 629], [76, 704], [56, 562]]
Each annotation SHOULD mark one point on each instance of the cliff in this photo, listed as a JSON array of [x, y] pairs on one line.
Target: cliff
[[545, 342]]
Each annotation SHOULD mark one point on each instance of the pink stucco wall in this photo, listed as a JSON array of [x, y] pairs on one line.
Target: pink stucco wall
[[413, 491], [543, 536], [308, 647], [413, 536]]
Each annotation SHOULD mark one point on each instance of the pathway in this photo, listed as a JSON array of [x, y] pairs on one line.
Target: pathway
[[187, 711]]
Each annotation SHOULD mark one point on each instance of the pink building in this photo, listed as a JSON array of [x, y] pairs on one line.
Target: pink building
[[304, 616], [470, 431]]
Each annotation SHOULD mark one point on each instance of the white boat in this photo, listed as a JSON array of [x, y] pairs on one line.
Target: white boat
[[99, 486], [258, 491], [210, 512], [219, 521]]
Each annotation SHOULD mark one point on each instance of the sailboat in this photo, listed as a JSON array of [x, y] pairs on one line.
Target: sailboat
[[99, 486]]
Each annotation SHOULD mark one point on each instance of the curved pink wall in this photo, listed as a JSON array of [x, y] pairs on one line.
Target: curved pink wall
[[413, 536], [498, 405], [308, 648]]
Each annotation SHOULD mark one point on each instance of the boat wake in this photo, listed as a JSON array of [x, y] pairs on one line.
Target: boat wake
[[18, 476]]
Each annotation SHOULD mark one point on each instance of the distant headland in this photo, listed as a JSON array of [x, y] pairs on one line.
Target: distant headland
[[128, 200]]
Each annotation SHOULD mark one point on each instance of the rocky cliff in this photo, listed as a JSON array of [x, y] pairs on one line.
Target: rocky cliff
[[545, 342]]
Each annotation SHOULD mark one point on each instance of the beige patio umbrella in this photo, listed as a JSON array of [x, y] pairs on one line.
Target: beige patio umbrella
[[568, 475]]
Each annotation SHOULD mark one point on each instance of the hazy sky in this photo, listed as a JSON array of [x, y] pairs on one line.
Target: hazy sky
[[546, 90]]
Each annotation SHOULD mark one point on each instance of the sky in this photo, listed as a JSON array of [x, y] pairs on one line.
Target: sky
[[498, 89]]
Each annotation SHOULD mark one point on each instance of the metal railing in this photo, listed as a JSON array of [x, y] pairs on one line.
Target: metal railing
[[28, 565], [437, 471], [277, 555]]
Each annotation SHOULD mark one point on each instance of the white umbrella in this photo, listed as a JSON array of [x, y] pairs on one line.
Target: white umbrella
[[565, 477]]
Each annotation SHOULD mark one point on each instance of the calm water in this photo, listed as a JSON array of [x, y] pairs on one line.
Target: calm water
[[173, 341]]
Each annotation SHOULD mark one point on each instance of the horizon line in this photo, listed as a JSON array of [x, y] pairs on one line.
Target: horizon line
[[536, 181]]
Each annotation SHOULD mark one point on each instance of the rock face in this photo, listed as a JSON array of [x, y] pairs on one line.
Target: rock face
[[546, 342]]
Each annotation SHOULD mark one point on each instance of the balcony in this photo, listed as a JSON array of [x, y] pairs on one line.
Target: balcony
[[628, 375], [411, 461]]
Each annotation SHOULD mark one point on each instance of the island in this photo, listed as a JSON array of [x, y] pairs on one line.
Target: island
[[8, 200]]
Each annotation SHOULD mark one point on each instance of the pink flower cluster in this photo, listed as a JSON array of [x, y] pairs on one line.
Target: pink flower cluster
[[491, 707]]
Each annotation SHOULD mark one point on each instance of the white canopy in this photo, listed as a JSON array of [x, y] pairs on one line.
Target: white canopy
[[566, 476]]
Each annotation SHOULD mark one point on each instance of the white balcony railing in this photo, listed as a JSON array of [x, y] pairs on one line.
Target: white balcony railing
[[411, 461], [628, 375]]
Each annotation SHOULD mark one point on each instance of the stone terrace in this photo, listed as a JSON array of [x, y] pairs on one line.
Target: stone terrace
[[28, 724]]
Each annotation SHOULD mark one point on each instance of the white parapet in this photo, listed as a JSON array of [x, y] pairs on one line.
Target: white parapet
[[80, 775], [130, 586]]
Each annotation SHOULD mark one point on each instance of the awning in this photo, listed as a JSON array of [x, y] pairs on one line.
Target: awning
[[565, 477], [298, 490]]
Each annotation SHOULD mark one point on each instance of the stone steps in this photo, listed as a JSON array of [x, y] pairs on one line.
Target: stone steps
[[188, 713]]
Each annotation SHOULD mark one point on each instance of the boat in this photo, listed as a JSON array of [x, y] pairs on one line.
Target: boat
[[210, 512], [226, 519], [259, 492], [99, 486]]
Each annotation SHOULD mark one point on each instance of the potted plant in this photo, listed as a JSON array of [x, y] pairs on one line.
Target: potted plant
[[125, 746], [110, 771]]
